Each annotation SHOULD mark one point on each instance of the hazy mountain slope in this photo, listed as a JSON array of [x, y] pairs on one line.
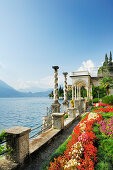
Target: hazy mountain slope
[[8, 91]]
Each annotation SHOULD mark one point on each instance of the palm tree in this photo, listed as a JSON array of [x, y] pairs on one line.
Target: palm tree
[[106, 83]]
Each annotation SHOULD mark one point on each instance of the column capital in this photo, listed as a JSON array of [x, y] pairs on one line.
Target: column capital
[[65, 73], [55, 67]]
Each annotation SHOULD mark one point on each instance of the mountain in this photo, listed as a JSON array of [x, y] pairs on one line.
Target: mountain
[[8, 91]]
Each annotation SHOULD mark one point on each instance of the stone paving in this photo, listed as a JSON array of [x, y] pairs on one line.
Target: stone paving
[[43, 153]]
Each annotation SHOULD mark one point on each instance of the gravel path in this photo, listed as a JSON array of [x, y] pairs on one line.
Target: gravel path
[[42, 155]]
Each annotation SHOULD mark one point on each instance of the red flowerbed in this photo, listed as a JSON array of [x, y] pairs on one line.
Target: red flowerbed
[[106, 108], [81, 152]]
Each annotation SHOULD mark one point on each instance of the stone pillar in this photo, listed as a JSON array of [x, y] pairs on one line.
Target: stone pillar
[[18, 140], [58, 120], [87, 93], [72, 92], [55, 105], [71, 113], [91, 92], [79, 93], [75, 93], [65, 102]]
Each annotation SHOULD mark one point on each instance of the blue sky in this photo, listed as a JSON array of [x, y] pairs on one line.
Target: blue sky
[[36, 34]]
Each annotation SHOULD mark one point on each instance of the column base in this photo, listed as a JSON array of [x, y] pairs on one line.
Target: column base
[[55, 107], [71, 113], [65, 105]]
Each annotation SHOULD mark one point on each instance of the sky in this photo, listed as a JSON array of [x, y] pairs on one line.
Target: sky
[[38, 34]]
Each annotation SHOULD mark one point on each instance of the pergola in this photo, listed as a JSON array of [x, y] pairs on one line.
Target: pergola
[[79, 79]]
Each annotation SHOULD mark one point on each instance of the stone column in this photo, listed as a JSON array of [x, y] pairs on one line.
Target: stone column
[[65, 102], [72, 92], [75, 93], [18, 140], [87, 93], [58, 120], [71, 113], [91, 92], [79, 94], [55, 105]]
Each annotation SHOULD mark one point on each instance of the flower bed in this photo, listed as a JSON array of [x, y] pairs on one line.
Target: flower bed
[[81, 152], [91, 144]]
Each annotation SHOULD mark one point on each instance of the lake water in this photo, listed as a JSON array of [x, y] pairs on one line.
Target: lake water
[[25, 112]]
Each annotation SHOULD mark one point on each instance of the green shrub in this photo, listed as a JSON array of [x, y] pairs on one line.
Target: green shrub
[[66, 116], [103, 166], [2, 136], [104, 149], [96, 100], [108, 100], [90, 102], [107, 115]]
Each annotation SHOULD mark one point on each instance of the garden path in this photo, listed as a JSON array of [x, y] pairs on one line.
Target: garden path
[[43, 154]]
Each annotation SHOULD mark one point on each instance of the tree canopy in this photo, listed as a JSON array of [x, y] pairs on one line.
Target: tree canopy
[[107, 68], [106, 83]]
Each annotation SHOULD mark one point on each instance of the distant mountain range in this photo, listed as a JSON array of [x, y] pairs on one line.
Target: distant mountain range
[[8, 91]]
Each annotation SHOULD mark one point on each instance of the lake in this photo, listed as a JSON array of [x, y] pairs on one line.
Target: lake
[[25, 112]]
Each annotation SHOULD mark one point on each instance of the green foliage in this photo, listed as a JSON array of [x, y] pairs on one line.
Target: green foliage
[[104, 148], [96, 100], [107, 68], [60, 92], [106, 83], [107, 115], [90, 102], [103, 165], [2, 136], [66, 116], [69, 94], [108, 100], [98, 92], [2, 146], [51, 94], [106, 61], [83, 92]]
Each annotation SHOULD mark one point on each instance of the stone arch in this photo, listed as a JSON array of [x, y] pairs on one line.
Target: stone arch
[[80, 78]]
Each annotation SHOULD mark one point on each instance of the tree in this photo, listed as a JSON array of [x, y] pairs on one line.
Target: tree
[[110, 65], [106, 61], [60, 92], [83, 92], [98, 91], [110, 58], [106, 83]]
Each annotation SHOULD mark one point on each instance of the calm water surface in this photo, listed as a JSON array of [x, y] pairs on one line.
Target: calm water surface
[[27, 112]]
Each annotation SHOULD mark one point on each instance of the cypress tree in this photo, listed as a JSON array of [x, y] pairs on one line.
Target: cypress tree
[[106, 60], [110, 63], [110, 58]]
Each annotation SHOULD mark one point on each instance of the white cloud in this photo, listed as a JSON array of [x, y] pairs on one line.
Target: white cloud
[[44, 83], [88, 66]]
